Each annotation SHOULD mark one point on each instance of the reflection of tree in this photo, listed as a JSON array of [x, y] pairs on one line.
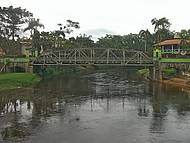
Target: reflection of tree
[[159, 109], [164, 96], [58, 97], [15, 131], [49, 99], [142, 106]]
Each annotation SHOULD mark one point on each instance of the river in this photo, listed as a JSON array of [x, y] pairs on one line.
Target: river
[[100, 107]]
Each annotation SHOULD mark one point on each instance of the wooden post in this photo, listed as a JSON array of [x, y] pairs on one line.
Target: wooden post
[[160, 71], [152, 73]]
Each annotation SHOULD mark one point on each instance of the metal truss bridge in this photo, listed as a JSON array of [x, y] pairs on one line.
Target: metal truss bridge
[[93, 56]]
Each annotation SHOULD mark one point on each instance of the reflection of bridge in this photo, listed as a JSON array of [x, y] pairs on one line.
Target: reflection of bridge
[[96, 56]]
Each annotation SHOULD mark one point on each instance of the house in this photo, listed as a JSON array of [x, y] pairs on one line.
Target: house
[[174, 48]]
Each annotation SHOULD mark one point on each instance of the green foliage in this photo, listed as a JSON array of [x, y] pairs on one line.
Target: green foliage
[[36, 41], [131, 41], [15, 80], [10, 47], [183, 34], [161, 29], [67, 29], [144, 72], [111, 41], [11, 19], [162, 23], [169, 71], [147, 37], [81, 41], [33, 24]]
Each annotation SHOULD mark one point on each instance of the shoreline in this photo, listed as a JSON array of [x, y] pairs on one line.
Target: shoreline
[[178, 82]]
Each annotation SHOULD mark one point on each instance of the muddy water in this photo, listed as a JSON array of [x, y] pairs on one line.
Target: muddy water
[[102, 107]]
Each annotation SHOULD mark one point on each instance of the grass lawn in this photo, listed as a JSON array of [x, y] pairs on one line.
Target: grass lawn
[[17, 80]]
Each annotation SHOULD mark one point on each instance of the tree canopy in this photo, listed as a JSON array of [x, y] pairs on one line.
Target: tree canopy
[[15, 21], [11, 20]]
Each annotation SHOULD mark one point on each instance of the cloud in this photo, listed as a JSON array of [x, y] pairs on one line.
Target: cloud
[[99, 32]]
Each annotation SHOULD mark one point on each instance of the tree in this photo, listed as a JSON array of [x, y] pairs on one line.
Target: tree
[[163, 34], [146, 36], [33, 24], [111, 41], [161, 28], [162, 23], [36, 44], [12, 18], [83, 41], [66, 29], [184, 34]]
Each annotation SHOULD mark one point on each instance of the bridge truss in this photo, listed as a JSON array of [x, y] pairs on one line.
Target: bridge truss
[[96, 56]]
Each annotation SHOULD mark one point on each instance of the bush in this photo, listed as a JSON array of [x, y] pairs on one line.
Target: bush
[[169, 71]]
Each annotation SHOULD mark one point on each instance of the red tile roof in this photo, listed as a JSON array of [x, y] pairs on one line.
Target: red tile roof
[[171, 42]]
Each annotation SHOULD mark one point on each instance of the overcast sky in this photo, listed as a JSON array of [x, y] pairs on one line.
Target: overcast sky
[[99, 17]]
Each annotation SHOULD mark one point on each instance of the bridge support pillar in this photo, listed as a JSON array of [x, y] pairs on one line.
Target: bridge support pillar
[[155, 72], [152, 73], [160, 68]]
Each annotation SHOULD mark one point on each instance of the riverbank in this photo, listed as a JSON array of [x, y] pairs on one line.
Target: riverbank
[[178, 81], [17, 80]]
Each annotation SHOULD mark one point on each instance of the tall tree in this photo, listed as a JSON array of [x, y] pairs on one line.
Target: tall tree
[[146, 36], [33, 24], [66, 29], [161, 28], [162, 23], [36, 44], [12, 18]]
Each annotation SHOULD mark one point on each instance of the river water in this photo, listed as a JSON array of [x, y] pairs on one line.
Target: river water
[[100, 107]]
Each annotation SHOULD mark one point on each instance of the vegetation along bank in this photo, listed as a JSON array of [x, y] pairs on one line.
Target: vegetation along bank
[[17, 80]]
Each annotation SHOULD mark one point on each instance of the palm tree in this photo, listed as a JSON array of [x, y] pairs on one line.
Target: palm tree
[[33, 25], [162, 23], [145, 35], [161, 28]]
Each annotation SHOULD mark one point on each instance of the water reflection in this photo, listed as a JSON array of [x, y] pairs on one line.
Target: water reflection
[[104, 98]]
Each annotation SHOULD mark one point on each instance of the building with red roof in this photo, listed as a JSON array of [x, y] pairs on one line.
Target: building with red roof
[[173, 48]]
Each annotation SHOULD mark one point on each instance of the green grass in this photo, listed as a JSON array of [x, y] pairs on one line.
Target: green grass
[[175, 60], [17, 80]]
